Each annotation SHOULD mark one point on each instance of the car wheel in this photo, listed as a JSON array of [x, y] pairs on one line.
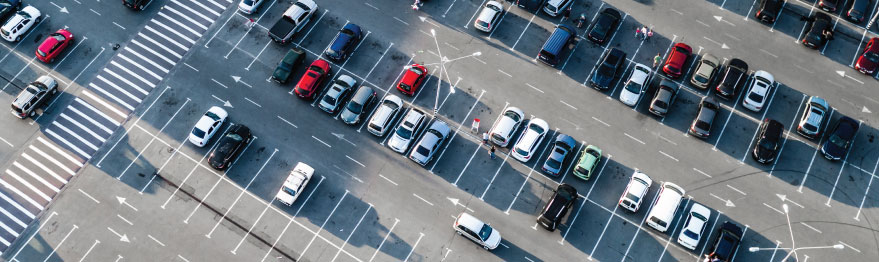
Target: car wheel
[[54, 91], [17, 38], [38, 20], [485, 247]]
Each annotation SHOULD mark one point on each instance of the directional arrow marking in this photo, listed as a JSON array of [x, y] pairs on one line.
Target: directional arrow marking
[[728, 202], [122, 237], [122, 202], [238, 80]]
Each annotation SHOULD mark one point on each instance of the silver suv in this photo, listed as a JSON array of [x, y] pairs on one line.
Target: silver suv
[[813, 115], [33, 96]]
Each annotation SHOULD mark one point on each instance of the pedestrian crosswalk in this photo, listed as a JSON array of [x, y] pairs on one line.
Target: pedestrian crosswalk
[[45, 166]]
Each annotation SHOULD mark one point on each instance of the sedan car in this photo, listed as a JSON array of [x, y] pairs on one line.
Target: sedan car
[[868, 60], [589, 158], [561, 149], [474, 229], [489, 17], [232, 144], [840, 139], [54, 45], [207, 125], [697, 220], [635, 86], [733, 79], [16, 26], [604, 26], [249, 6], [530, 141], [663, 98], [726, 243], [295, 183], [312, 79], [344, 43], [819, 32], [813, 115], [430, 142], [638, 186], [337, 94], [857, 11], [407, 130], [767, 141], [137, 5], [562, 200], [604, 73], [705, 71], [675, 62], [708, 109], [412, 79], [354, 109], [828, 5], [756, 96], [503, 129], [768, 10], [8, 7]]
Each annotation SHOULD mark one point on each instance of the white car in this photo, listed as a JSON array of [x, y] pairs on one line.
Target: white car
[[407, 130], [249, 6], [478, 231], [697, 219], [530, 141], [489, 17], [756, 96], [635, 191], [207, 126], [387, 111], [503, 130], [16, 26], [295, 183], [635, 86]]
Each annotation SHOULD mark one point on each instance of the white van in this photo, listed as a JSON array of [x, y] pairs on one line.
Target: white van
[[665, 207]]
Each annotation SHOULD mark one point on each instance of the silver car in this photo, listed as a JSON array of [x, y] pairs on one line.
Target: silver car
[[701, 126], [407, 131], [664, 97], [33, 96], [489, 17], [338, 93], [705, 72], [813, 115], [430, 142], [387, 111]]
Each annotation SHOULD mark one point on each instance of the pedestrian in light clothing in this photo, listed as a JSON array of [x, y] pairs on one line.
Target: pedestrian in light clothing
[[485, 138]]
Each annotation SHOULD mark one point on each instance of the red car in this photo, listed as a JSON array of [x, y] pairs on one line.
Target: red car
[[675, 61], [54, 45], [311, 80], [870, 58], [412, 79]]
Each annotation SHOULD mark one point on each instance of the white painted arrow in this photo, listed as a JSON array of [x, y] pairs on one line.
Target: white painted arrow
[[841, 73], [718, 18], [865, 110], [238, 80], [728, 202], [454, 201], [64, 10], [724, 46], [122, 237], [342, 137], [225, 102], [122, 202]]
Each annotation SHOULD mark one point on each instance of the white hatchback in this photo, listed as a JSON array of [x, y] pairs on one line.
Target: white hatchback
[[635, 86], [489, 17], [207, 126], [760, 86], [478, 231], [697, 219], [503, 130], [530, 141], [635, 191], [16, 26]]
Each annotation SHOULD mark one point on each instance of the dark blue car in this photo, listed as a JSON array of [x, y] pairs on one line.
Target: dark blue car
[[606, 71], [840, 139], [344, 42]]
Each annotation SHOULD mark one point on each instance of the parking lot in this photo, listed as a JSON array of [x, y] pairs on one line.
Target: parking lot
[[150, 187]]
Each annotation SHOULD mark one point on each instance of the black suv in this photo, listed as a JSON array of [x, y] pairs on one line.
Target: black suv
[[733, 79], [727, 242], [559, 204], [820, 30], [840, 140], [136, 4], [232, 143], [606, 71], [768, 10], [604, 26], [766, 144]]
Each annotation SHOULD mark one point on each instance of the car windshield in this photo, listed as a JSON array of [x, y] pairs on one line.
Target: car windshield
[[213, 116], [512, 115], [24, 14], [482, 23], [290, 191], [606, 69], [485, 232], [303, 6], [416, 70], [755, 97], [632, 197], [691, 234], [248, 2], [354, 107], [633, 87], [405, 86], [58, 37], [234, 137], [347, 32], [498, 138], [702, 125], [493, 7], [810, 127], [873, 57], [551, 8], [838, 141], [660, 104], [404, 133], [422, 151], [547, 55], [583, 171], [681, 50], [521, 151], [594, 153], [673, 69], [700, 78], [601, 27], [315, 69], [330, 100], [536, 128], [553, 163], [198, 132]]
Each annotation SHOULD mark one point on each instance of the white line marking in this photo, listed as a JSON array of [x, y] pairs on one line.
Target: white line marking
[[667, 155], [776, 209], [401, 21], [569, 105], [422, 199], [599, 120], [388, 179], [218, 82], [420, 235], [251, 101], [208, 235], [123, 219], [89, 196], [396, 220], [811, 227], [288, 122], [89, 250], [60, 243], [505, 73], [535, 88], [736, 189], [849, 246], [157, 241], [633, 138], [316, 233], [355, 161], [7, 142]]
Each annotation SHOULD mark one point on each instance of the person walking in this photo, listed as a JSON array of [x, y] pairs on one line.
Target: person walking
[[485, 138], [566, 14], [491, 152], [656, 60]]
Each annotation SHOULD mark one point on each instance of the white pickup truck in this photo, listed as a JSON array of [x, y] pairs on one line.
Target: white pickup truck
[[295, 183]]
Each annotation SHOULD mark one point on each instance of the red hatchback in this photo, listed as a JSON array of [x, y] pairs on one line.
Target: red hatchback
[[412, 79], [311, 80], [54, 45], [870, 58], [675, 61]]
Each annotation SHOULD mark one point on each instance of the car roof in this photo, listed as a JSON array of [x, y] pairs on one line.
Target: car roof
[[362, 94], [469, 221], [738, 63], [487, 13], [774, 128], [441, 126], [639, 187], [568, 140], [413, 116], [846, 127], [611, 11], [558, 39]]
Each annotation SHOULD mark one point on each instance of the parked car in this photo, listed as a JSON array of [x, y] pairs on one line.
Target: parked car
[[691, 232], [430, 142], [562, 200], [663, 98], [727, 242], [408, 129], [530, 5], [489, 17], [840, 139], [54, 44], [293, 58], [383, 117], [503, 129], [665, 207], [249, 6], [355, 108], [768, 10], [604, 26], [295, 183], [344, 43], [869, 59], [311, 81], [638, 186], [606, 71], [828, 5], [33, 96], [530, 140], [819, 32], [708, 109], [705, 71], [554, 47], [812, 117], [857, 11], [138, 5], [556, 7], [412, 79], [17, 26], [293, 20], [589, 158], [674, 64], [767, 141], [561, 149], [207, 126], [337, 94], [637, 84], [8, 7], [474, 229], [230, 146], [733, 79], [756, 96]]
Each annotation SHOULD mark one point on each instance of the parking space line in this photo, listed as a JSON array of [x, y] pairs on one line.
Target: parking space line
[[507, 156], [728, 117], [33, 29], [737, 248], [257, 22], [140, 152], [765, 111], [421, 235], [585, 199], [811, 10], [221, 29], [26, 66], [261, 214], [710, 232], [628, 66], [316, 233], [458, 129], [523, 32], [197, 164], [498, 23], [640, 227], [831, 30], [55, 248], [312, 27], [674, 231], [606, 224], [478, 9], [872, 175], [849, 246], [633, 138], [352, 232], [208, 235], [844, 161], [608, 44], [156, 240], [386, 91], [787, 135], [536, 161], [776, 19], [291, 218]]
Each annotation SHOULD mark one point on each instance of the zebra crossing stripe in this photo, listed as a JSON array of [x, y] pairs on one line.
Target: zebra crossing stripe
[[28, 185], [4, 226], [74, 147], [44, 168], [5, 242], [75, 135], [178, 23], [59, 151], [208, 19], [104, 103], [83, 127], [120, 89], [151, 40], [16, 205], [21, 194], [216, 4], [35, 176], [91, 120], [12, 217], [99, 112], [150, 84], [111, 96], [149, 71], [181, 35], [205, 7], [167, 38], [53, 160], [154, 51]]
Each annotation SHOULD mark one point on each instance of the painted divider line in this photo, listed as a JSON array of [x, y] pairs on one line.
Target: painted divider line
[[602, 122], [633, 138], [156, 240], [125, 220], [849, 246], [736, 189], [7, 142], [422, 199], [218, 82], [251, 101], [321, 141], [89, 196], [569, 105], [667, 155], [811, 227], [396, 220], [288, 122], [316, 233], [535, 88], [388, 179], [776, 209], [420, 235], [505, 73], [355, 161]]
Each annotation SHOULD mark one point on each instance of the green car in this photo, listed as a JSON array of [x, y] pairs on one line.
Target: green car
[[589, 159], [293, 58]]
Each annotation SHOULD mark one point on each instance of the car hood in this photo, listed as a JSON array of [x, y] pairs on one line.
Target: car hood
[[349, 117], [832, 149], [398, 143], [601, 79], [765, 154], [865, 63], [494, 240], [629, 98], [409, 78], [341, 41]]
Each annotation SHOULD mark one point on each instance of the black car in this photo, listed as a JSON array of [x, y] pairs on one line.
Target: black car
[[828, 5], [766, 144], [293, 58], [604, 26], [136, 4], [857, 11], [840, 139], [344, 43], [8, 7], [530, 5], [727, 242], [733, 78], [768, 10], [232, 143], [820, 30], [559, 204], [606, 71]]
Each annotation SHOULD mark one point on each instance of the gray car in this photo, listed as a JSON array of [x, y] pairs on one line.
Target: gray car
[[561, 149], [338, 93], [663, 98], [701, 126], [813, 115], [430, 142], [706, 71], [354, 110]]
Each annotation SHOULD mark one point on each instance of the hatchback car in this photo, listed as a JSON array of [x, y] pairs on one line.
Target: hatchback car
[[840, 139], [54, 45], [663, 98], [8, 7], [638, 186], [589, 158], [387, 111], [337, 94], [354, 109], [430, 142], [207, 125], [530, 141], [17, 26], [857, 11], [489, 17], [813, 115], [503, 129], [635, 86], [869, 59], [33, 96], [137, 5], [474, 229], [733, 79], [556, 7], [767, 141], [604, 25], [828, 5], [308, 85], [562, 200], [697, 220], [756, 96], [708, 109], [561, 149], [705, 71], [232, 144], [605, 72], [412, 79], [727, 242], [675, 62], [407, 130], [344, 43], [768, 10], [249, 6], [819, 32]]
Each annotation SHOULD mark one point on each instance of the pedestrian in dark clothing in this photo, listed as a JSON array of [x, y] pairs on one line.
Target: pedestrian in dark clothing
[[491, 152], [566, 14]]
